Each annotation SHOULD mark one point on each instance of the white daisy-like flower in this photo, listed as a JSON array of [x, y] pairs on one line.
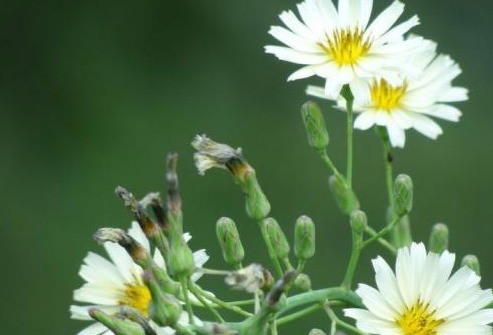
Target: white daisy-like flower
[[341, 45], [111, 284], [423, 298], [410, 103]]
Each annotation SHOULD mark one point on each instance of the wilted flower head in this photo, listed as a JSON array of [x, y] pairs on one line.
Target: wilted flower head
[[249, 279], [341, 45], [422, 298], [212, 154]]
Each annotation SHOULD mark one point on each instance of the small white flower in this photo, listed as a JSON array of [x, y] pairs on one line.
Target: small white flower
[[111, 284], [341, 46], [410, 103], [422, 298]]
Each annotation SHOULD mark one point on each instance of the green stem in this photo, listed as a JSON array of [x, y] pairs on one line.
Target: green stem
[[186, 298], [401, 234], [382, 232], [318, 296], [221, 303], [273, 328], [357, 246], [348, 96], [299, 314], [370, 231], [204, 303], [270, 249], [341, 323], [326, 159]]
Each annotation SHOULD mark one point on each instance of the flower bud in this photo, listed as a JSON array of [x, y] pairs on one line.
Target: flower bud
[[403, 193], [280, 245], [229, 241], [438, 238], [116, 325], [343, 194], [358, 221], [164, 308], [180, 260], [472, 263], [303, 282], [257, 204], [318, 137], [304, 238]]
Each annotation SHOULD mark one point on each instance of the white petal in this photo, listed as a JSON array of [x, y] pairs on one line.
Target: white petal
[[292, 40], [446, 112], [425, 125], [94, 329], [99, 269], [365, 120], [385, 20], [292, 22], [136, 232], [376, 303], [316, 91], [387, 283], [294, 56], [126, 266], [398, 31]]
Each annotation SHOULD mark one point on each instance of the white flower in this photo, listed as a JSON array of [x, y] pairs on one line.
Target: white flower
[[341, 46], [410, 103], [111, 284], [422, 298]]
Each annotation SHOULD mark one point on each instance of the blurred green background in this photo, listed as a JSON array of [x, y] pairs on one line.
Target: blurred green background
[[93, 94]]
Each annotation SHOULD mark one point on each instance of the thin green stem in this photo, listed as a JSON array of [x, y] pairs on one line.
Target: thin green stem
[[357, 245], [382, 232], [204, 303], [326, 159], [317, 296], [401, 233], [341, 323], [370, 231], [186, 298], [348, 96], [270, 249], [299, 314], [273, 328], [220, 303]]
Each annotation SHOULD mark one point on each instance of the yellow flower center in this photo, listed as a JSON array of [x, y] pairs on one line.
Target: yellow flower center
[[417, 320], [137, 296], [386, 97], [347, 46]]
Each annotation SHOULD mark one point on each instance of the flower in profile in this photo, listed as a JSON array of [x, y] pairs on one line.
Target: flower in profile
[[116, 283], [341, 45], [422, 298], [410, 103]]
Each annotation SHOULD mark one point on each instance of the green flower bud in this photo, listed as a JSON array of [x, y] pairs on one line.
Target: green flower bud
[[403, 193], [438, 238], [344, 196], [164, 308], [180, 259], [303, 282], [304, 238], [277, 238], [472, 263], [116, 325], [229, 241], [318, 137], [257, 204], [358, 221]]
